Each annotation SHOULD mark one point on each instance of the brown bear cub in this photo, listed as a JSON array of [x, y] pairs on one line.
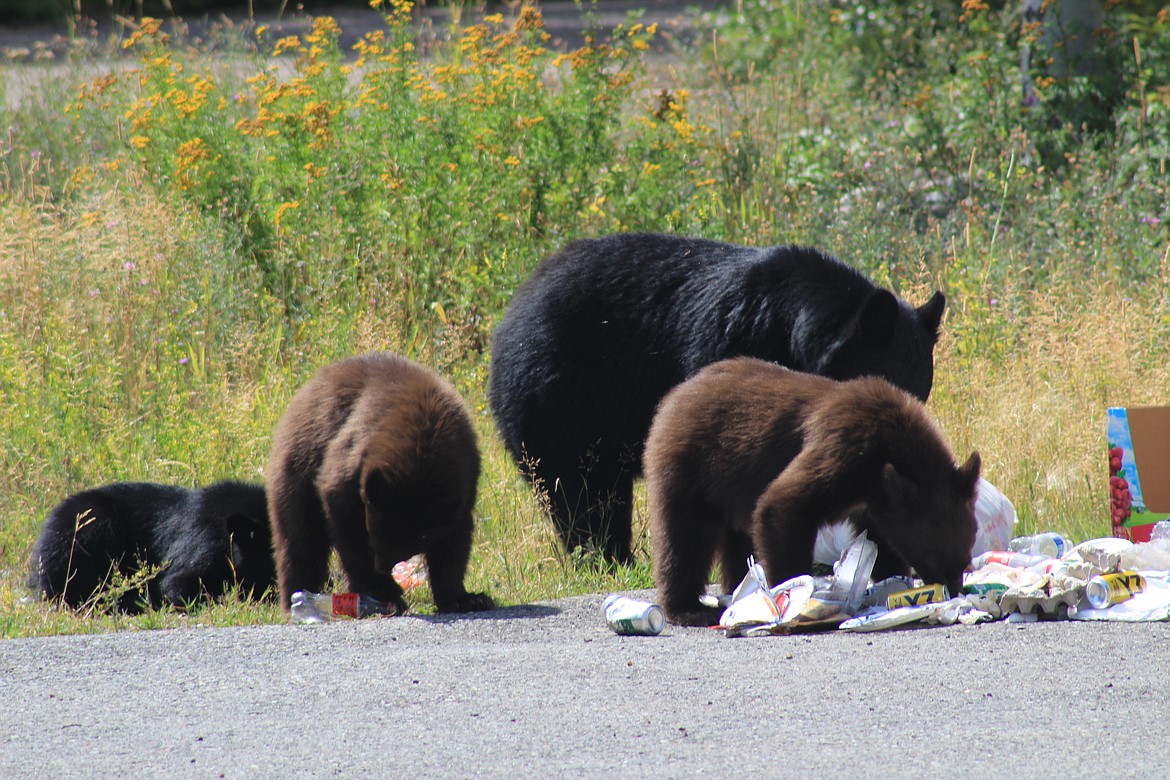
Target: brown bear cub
[[376, 457], [749, 457]]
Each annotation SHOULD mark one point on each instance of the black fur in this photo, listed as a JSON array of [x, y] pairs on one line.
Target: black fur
[[605, 328], [206, 540]]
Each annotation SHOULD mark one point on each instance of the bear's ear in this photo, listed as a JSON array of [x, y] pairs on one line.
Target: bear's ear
[[930, 313], [878, 318], [376, 490], [896, 486], [969, 474]]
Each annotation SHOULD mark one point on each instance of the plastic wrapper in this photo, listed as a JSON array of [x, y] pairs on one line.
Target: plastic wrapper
[[801, 604], [756, 610], [1000, 574], [944, 613], [884, 619], [985, 597], [995, 519], [851, 573], [1147, 555], [410, 573], [832, 541]]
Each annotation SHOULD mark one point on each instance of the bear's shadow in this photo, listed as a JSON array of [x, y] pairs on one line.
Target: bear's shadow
[[518, 612]]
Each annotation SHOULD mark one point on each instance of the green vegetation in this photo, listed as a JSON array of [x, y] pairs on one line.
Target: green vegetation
[[188, 232]]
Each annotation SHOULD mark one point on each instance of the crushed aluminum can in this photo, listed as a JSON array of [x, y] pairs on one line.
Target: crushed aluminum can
[[917, 597], [630, 617]]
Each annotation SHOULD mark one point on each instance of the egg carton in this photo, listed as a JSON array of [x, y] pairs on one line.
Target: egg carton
[[1048, 597]]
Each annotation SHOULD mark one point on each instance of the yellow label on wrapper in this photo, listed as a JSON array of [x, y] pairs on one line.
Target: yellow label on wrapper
[[916, 597]]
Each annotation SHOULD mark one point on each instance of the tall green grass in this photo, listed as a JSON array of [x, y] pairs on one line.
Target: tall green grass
[[187, 232]]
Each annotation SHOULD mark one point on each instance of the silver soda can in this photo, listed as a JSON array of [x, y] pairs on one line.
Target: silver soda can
[[629, 616], [1105, 590]]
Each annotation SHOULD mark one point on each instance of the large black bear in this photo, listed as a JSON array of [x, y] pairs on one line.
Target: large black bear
[[603, 329], [206, 540], [375, 456], [749, 457]]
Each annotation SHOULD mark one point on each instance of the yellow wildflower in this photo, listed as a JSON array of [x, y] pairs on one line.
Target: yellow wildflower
[[280, 211], [323, 27], [284, 44], [187, 159]]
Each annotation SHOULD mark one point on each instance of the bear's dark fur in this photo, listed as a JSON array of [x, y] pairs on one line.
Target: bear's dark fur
[[206, 540], [602, 330], [748, 456], [376, 457]]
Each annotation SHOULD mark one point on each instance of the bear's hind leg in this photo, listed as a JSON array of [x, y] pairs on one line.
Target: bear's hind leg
[[611, 520], [300, 540], [685, 536], [590, 505]]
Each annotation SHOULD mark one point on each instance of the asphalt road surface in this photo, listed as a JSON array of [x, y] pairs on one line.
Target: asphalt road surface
[[546, 690]]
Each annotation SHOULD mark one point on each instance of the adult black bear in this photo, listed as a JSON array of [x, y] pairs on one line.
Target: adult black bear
[[747, 456], [205, 541], [602, 330], [375, 456]]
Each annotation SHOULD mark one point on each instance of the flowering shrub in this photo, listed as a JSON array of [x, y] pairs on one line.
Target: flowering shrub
[[435, 179]]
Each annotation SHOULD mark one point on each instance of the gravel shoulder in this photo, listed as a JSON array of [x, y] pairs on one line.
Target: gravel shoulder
[[546, 689]]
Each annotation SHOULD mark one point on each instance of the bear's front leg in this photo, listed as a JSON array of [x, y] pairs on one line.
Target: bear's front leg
[[787, 516], [447, 566]]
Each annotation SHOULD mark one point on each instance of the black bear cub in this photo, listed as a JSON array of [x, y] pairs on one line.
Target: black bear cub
[[749, 457], [603, 329], [376, 457], [204, 541]]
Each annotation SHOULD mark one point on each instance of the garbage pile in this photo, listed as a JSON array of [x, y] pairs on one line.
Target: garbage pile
[[1040, 577], [1012, 578]]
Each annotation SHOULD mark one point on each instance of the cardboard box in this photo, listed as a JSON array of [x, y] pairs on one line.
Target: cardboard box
[[1139, 469]]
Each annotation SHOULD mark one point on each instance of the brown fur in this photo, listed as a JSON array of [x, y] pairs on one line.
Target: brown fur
[[747, 456], [375, 456]]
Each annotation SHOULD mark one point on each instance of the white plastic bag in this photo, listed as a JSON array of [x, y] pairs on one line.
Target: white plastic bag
[[995, 519]]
